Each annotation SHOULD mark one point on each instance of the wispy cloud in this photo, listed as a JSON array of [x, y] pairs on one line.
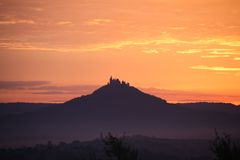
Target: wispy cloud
[[69, 89], [144, 43], [181, 96], [38, 9], [215, 41], [37, 47], [219, 53], [216, 52], [150, 51], [45, 87], [220, 49], [89, 48], [190, 51], [17, 21], [215, 68], [98, 21], [64, 23], [237, 58], [6, 85], [212, 52], [215, 56], [178, 28]]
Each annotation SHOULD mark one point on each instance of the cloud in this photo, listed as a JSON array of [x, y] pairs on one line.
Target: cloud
[[98, 21], [13, 45], [215, 41], [69, 89], [215, 68], [63, 23], [212, 52], [201, 24], [50, 93], [41, 91], [45, 87], [90, 48], [145, 43], [9, 85], [17, 21], [150, 51], [215, 56], [176, 96], [216, 52], [233, 27], [220, 49], [38, 9], [66, 88], [237, 58], [178, 28], [190, 51]]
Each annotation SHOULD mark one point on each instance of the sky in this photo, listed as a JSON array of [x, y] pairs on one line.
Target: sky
[[180, 50]]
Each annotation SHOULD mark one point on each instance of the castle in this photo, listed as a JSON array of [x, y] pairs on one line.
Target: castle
[[115, 82]]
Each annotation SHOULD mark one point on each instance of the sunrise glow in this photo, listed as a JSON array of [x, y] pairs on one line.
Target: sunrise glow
[[180, 50]]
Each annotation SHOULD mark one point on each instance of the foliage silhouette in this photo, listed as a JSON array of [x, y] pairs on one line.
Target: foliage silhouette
[[224, 148], [148, 148], [116, 148]]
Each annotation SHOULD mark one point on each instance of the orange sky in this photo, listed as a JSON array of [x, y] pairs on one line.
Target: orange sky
[[181, 50]]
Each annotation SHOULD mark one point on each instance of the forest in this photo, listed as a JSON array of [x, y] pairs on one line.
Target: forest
[[112, 147]]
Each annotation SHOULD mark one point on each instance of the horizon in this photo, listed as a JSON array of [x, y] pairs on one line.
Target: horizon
[[160, 93], [179, 50]]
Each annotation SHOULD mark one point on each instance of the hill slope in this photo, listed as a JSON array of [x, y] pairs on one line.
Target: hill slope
[[119, 107]]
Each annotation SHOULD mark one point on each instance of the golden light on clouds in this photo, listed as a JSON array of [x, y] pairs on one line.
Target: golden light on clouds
[[179, 45], [214, 56], [150, 51], [98, 21], [64, 23], [37, 9], [215, 68], [190, 51], [17, 21]]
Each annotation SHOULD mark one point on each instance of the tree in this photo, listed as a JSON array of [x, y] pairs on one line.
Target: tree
[[116, 149], [224, 148]]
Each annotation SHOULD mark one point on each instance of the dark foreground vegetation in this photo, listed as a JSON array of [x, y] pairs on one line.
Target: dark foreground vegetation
[[129, 148], [224, 148]]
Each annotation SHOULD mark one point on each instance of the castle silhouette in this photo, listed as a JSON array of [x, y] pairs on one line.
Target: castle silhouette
[[117, 82]]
